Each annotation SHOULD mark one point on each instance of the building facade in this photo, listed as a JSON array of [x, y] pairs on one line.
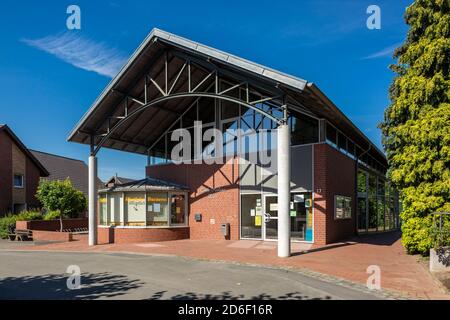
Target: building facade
[[324, 181], [20, 173]]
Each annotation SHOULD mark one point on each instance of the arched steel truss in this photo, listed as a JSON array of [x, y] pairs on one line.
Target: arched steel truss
[[167, 94]]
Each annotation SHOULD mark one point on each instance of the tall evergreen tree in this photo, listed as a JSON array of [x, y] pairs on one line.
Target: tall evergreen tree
[[416, 127]]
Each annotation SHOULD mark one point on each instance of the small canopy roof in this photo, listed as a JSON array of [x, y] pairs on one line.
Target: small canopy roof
[[147, 184], [161, 56]]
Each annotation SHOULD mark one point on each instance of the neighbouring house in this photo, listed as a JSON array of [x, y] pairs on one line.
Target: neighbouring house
[[20, 172], [61, 168], [327, 183], [116, 180]]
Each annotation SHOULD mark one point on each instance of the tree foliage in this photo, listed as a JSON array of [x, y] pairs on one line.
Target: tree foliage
[[416, 127], [62, 197]]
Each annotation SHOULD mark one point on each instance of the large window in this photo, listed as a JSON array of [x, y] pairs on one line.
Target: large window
[[157, 209], [251, 216], [304, 129], [135, 209]]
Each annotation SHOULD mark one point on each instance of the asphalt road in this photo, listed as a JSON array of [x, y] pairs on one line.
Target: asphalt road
[[42, 275]]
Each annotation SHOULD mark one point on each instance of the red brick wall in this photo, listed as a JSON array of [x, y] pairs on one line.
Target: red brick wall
[[135, 235], [214, 193], [5, 173], [31, 184], [334, 174], [52, 225], [39, 235]]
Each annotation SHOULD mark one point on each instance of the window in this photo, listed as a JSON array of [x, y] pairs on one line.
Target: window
[[331, 134], [304, 129], [135, 209], [18, 181], [342, 207], [157, 209], [177, 209]]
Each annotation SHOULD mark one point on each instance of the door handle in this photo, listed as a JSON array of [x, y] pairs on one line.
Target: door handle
[[267, 217]]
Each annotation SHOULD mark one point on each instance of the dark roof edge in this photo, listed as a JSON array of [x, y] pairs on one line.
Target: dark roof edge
[[58, 156], [330, 103], [42, 169]]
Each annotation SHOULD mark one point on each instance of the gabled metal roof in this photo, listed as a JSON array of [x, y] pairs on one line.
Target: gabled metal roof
[[137, 138], [222, 56]]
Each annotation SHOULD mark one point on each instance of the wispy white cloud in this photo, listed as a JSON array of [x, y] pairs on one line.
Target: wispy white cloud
[[80, 52], [386, 52]]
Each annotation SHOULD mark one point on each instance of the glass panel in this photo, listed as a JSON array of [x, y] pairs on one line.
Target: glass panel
[[18, 181], [251, 216], [157, 209], [331, 134], [178, 209], [271, 208], [135, 209], [206, 110], [362, 181], [342, 141], [362, 216], [301, 216], [372, 214], [304, 130], [114, 208], [189, 117], [103, 216], [380, 213]]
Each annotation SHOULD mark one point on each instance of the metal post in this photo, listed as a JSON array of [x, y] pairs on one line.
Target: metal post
[[92, 200], [284, 194]]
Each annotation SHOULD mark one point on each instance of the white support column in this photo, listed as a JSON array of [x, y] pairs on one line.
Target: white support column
[[284, 193], [93, 201]]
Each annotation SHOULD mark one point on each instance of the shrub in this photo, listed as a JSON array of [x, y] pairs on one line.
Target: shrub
[[6, 223], [9, 221], [52, 215], [417, 235]]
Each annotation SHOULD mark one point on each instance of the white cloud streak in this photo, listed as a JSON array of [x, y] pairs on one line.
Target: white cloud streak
[[82, 53], [386, 52]]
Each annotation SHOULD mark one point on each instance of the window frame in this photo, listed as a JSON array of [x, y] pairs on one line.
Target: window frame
[[22, 180]]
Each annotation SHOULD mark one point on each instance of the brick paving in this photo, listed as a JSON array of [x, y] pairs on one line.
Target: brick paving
[[346, 262]]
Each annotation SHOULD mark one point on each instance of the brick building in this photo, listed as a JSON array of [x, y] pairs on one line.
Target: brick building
[[20, 173], [324, 181]]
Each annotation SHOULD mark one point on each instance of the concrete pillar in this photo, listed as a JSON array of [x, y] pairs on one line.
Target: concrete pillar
[[284, 193], [93, 201]]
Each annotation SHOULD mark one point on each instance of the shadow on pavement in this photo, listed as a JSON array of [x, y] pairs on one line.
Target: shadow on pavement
[[161, 295], [54, 286]]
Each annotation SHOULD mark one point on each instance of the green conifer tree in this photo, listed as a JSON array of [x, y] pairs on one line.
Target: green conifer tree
[[416, 127]]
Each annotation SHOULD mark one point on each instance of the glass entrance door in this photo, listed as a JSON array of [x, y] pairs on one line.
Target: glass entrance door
[[270, 217], [300, 214]]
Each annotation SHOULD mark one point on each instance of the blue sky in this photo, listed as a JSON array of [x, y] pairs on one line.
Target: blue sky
[[49, 76]]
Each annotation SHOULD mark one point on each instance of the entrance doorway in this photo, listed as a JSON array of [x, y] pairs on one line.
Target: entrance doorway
[[300, 214]]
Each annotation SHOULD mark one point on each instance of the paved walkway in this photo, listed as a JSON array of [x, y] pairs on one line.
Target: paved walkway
[[348, 260]]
